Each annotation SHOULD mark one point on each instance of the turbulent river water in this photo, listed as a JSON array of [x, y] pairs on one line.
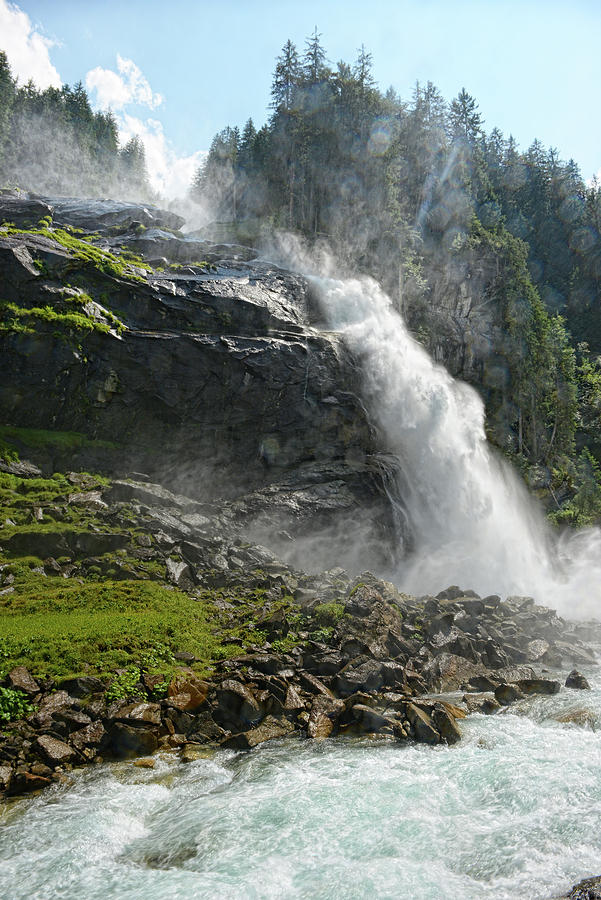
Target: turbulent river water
[[512, 811]]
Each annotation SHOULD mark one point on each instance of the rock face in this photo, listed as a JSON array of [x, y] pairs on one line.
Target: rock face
[[215, 379]]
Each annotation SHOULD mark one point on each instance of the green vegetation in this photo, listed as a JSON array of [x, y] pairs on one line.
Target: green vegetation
[[87, 253], [42, 439], [13, 705], [27, 321], [329, 613], [60, 628]]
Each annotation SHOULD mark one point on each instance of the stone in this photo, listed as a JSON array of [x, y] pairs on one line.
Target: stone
[[505, 694], [370, 719], [145, 763], [90, 736], [144, 713], [56, 752], [25, 782], [20, 680], [538, 686], [293, 700], [187, 692], [314, 684], [128, 741], [577, 681], [322, 717], [269, 729], [423, 730], [445, 723], [236, 706], [588, 889]]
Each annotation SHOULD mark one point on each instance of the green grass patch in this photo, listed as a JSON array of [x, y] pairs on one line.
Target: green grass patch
[[59, 628]]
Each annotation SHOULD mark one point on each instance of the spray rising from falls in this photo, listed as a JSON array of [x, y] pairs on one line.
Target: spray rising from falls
[[472, 520]]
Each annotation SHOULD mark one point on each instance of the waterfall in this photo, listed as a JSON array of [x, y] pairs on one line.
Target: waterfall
[[473, 521]]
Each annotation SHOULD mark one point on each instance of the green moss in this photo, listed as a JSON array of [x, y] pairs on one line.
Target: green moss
[[43, 439], [23, 320], [84, 251], [328, 613]]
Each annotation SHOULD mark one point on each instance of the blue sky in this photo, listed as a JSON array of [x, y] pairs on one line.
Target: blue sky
[[178, 72]]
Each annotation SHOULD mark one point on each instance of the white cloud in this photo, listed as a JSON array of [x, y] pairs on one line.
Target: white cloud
[[170, 174], [27, 50], [117, 90]]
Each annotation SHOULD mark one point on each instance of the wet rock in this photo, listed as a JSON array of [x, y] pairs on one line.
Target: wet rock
[[588, 889], [584, 718], [448, 672], [421, 724], [90, 736], [314, 685], [143, 713], [577, 681], [127, 740], [535, 650], [322, 718], [55, 751], [236, 707], [370, 719], [269, 729], [5, 776], [20, 680], [505, 694], [446, 724], [482, 703], [82, 686], [26, 782], [538, 686]]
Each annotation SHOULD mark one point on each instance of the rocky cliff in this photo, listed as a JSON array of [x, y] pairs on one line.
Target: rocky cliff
[[198, 362]]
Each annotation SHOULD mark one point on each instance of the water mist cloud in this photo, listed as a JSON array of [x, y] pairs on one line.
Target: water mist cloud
[[27, 50], [170, 174]]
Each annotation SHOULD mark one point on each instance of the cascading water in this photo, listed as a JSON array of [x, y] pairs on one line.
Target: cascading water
[[473, 521]]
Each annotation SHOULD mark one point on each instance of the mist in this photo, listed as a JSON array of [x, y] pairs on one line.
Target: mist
[[472, 521]]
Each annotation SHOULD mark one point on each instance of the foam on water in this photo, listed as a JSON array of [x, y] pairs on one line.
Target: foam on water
[[510, 812], [473, 522]]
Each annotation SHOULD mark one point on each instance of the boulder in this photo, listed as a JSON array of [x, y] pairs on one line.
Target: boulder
[[236, 708], [187, 692], [90, 736], [20, 680], [128, 740], [446, 724], [56, 752], [422, 728], [538, 686], [588, 889], [505, 694], [323, 716], [139, 713], [577, 681], [82, 686], [269, 729]]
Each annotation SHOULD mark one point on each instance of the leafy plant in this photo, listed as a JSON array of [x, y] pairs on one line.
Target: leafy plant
[[14, 705]]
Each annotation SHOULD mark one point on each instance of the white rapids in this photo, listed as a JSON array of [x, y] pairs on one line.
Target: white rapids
[[509, 813]]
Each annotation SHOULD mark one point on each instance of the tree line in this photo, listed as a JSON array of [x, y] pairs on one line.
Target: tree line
[[417, 193], [51, 141]]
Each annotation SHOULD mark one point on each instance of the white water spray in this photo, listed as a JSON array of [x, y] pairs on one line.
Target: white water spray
[[474, 523]]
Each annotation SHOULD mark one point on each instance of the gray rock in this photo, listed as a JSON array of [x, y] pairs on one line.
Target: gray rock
[[56, 752], [577, 681], [20, 680]]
